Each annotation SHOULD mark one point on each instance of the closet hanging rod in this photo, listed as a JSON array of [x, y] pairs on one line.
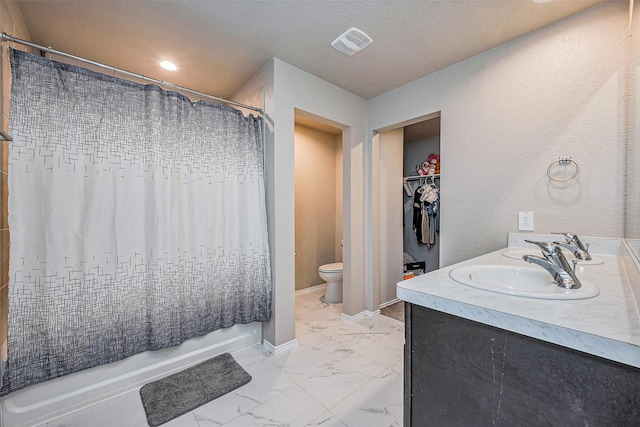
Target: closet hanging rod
[[6, 37], [412, 177]]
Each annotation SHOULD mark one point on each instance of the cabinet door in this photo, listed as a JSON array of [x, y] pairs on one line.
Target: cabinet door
[[463, 373]]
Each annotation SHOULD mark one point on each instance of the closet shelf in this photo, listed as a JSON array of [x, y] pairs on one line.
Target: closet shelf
[[414, 177]]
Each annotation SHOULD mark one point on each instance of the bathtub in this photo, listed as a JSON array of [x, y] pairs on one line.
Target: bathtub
[[58, 397]]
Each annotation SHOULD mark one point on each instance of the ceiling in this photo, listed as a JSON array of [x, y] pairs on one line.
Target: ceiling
[[220, 44]]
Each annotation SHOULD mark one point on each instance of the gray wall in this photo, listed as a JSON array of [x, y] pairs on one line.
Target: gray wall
[[507, 114]]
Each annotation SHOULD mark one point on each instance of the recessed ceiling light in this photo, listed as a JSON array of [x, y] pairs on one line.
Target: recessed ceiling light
[[168, 65]]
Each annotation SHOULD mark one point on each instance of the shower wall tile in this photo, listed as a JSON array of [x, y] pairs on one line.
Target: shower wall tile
[[4, 154], [7, 20], [4, 197], [6, 92], [4, 248], [6, 86], [12, 21], [4, 311]]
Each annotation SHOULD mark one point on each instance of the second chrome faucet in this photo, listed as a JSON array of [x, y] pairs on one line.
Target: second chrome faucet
[[575, 245]]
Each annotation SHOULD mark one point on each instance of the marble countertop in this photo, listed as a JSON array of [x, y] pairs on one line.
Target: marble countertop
[[607, 325]]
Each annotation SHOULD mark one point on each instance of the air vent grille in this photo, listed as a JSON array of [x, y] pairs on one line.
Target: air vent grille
[[351, 41]]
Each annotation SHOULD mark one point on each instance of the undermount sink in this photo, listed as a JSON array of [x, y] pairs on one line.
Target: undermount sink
[[525, 281]]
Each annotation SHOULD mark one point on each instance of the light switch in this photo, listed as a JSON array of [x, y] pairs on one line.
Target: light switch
[[525, 221]]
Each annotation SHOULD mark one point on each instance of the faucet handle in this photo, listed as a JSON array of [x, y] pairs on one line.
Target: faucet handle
[[548, 247], [577, 252], [574, 240], [568, 235]]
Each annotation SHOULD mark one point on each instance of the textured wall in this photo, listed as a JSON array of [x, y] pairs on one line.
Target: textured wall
[[286, 89], [507, 114], [390, 214], [316, 208]]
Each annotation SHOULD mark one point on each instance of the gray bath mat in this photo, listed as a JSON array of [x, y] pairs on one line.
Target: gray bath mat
[[182, 392]]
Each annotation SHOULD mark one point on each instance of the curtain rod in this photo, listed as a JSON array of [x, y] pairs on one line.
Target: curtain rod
[[6, 37]]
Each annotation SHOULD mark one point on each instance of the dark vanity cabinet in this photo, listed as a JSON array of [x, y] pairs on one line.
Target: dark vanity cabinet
[[461, 373]]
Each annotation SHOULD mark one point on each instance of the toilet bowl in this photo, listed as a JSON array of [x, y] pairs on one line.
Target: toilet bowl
[[332, 274]]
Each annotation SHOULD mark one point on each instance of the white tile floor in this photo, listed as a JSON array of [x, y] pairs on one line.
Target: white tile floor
[[342, 373]]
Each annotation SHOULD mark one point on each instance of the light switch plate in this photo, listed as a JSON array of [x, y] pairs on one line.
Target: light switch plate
[[525, 221]]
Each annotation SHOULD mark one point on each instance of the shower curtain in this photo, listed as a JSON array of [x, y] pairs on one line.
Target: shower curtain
[[137, 220]]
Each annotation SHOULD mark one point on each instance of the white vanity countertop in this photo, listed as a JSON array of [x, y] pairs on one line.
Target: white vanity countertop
[[607, 325]]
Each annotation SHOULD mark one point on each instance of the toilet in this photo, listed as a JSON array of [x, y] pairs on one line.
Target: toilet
[[332, 274]]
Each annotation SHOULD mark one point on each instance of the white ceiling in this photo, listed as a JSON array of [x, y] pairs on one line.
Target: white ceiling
[[220, 44]]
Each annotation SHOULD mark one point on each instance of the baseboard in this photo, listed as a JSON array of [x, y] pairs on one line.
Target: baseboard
[[280, 348], [368, 313], [388, 303], [311, 289]]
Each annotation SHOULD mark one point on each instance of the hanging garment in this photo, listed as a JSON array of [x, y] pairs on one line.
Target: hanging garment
[[425, 224], [429, 193], [436, 210], [432, 224], [417, 216]]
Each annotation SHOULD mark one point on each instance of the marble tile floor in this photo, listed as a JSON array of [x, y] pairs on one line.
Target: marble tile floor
[[341, 373]]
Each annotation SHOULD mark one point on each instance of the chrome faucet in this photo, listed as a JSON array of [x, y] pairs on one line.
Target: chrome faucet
[[575, 245], [556, 264]]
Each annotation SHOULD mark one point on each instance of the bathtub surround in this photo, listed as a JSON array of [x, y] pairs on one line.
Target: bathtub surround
[[137, 220]]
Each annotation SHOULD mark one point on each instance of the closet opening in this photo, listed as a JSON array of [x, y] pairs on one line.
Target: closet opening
[[421, 182], [404, 244]]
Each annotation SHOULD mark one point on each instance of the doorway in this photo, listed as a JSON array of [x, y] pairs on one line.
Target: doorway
[[421, 142], [397, 153], [318, 175]]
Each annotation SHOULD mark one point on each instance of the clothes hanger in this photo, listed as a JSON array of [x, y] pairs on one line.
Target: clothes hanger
[[432, 184]]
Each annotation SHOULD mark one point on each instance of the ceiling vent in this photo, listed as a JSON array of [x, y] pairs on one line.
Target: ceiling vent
[[351, 41]]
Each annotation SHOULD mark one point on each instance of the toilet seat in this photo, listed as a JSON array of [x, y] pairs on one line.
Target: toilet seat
[[328, 268]]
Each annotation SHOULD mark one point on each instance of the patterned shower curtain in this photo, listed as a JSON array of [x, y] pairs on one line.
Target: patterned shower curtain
[[137, 220]]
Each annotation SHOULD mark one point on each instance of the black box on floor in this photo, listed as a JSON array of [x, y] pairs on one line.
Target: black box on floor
[[417, 268]]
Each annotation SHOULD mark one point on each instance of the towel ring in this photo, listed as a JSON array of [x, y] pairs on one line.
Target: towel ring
[[563, 161]]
